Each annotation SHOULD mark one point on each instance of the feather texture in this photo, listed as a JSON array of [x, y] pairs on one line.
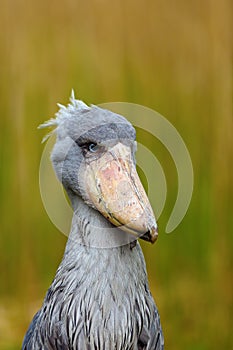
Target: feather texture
[[98, 301]]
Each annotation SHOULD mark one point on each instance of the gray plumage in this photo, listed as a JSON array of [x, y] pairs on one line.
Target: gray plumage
[[99, 298]]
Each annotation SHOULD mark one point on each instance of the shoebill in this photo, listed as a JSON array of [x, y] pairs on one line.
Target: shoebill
[[99, 298]]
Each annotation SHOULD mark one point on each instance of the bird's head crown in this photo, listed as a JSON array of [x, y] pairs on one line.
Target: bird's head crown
[[64, 114]]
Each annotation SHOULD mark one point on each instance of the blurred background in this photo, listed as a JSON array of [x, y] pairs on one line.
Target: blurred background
[[172, 56]]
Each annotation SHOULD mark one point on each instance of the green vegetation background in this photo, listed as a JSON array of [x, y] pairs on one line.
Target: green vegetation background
[[172, 56]]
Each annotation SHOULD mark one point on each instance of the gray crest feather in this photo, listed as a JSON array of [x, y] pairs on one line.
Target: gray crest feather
[[63, 114]]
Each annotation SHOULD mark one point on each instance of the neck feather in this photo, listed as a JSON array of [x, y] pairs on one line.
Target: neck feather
[[95, 246], [91, 229]]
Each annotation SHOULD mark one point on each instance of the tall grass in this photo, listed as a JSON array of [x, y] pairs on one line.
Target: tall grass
[[175, 57]]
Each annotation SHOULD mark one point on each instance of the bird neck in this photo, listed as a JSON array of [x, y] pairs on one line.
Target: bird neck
[[95, 248], [91, 229]]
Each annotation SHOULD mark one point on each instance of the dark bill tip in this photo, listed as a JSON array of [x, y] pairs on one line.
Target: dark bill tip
[[151, 235]]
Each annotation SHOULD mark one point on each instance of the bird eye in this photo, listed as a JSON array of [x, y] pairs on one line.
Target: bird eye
[[88, 147], [92, 147]]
